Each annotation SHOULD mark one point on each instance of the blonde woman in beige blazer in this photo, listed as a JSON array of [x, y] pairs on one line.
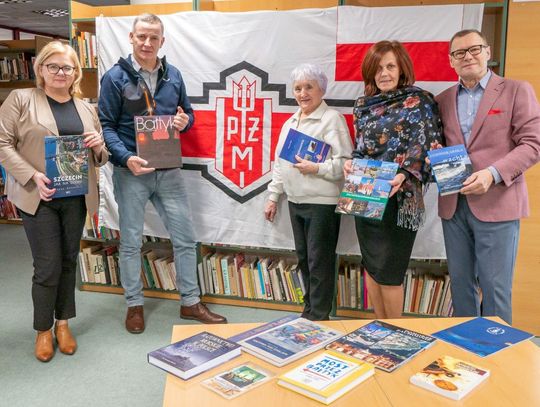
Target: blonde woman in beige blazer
[[53, 225]]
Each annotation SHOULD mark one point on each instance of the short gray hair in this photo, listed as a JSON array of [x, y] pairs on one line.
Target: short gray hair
[[310, 72], [150, 19]]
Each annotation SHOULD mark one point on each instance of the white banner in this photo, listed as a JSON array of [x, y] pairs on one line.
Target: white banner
[[220, 53]]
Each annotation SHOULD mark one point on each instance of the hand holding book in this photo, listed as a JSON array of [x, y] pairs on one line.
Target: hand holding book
[[181, 119], [478, 183], [305, 166]]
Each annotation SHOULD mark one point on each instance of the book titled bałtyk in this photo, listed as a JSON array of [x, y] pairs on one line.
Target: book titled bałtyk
[[66, 165], [194, 355], [158, 141], [451, 167]]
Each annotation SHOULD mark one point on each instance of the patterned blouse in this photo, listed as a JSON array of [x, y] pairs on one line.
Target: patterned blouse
[[400, 126]]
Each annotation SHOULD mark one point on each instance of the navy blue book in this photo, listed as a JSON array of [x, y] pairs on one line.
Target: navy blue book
[[482, 336], [451, 166], [194, 355], [307, 147], [66, 165], [263, 328]]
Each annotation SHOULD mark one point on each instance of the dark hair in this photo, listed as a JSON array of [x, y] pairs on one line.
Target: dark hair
[[463, 33], [373, 57]]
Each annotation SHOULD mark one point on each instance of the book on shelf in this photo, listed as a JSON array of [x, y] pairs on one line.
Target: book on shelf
[[450, 377], [327, 376], [384, 345], [305, 146], [367, 189], [482, 336], [289, 341], [194, 355], [158, 141], [238, 380], [451, 166], [66, 165]]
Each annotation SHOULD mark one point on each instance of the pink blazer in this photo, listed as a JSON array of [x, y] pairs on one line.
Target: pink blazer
[[506, 135]]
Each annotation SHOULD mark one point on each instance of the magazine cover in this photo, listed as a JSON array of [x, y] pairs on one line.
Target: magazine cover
[[366, 189], [263, 328], [384, 345], [66, 165], [482, 336], [326, 377], [290, 341], [158, 142], [307, 147], [194, 355], [450, 377], [451, 166], [238, 380]]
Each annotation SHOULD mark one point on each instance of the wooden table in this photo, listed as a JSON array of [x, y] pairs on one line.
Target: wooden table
[[514, 380]]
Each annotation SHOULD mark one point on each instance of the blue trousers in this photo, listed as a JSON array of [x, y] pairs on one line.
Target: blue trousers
[[166, 190], [481, 257]]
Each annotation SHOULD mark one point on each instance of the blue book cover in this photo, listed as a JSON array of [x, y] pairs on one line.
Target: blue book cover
[[451, 166], [66, 165], [194, 355], [307, 147], [482, 336], [290, 341], [384, 345], [366, 188]]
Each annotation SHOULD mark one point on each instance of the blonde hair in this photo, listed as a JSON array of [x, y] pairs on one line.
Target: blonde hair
[[57, 47]]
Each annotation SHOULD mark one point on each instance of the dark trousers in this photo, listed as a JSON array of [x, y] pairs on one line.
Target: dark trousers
[[54, 234], [316, 230]]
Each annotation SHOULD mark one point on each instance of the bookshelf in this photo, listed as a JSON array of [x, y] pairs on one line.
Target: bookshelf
[[8, 212]]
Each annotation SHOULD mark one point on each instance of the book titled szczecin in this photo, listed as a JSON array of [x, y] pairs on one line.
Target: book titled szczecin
[[289, 341], [384, 345], [238, 380], [194, 355], [307, 147], [367, 188], [451, 167], [482, 336], [327, 376], [450, 377], [158, 141], [66, 165]]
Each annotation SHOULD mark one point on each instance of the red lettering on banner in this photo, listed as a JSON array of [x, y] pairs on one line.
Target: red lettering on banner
[[430, 60]]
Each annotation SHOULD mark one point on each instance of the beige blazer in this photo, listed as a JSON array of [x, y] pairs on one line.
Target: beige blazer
[[25, 119]]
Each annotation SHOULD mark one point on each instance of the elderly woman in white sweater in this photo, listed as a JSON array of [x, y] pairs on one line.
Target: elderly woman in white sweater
[[312, 189]]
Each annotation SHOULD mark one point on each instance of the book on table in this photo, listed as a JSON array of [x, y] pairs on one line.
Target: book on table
[[451, 167], [450, 377], [302, 145], [238, 380], [482, 336], [288, 341], [66, 165], [384, 345], [158, 141], [194, 355], [367, 188], [327, 376]]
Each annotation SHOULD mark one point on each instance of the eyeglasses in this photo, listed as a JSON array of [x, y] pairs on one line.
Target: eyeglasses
[[54, 69], [474, 50]]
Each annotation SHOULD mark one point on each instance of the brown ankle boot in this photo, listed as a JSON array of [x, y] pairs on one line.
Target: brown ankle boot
[[44, 350], [66, 341]]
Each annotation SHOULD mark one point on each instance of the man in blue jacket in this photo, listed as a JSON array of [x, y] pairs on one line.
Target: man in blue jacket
[[141, 85]]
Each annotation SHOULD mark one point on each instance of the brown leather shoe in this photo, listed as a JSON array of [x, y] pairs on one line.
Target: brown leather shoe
[[44, 350], [135, 319], [201, 313], [66, 342]]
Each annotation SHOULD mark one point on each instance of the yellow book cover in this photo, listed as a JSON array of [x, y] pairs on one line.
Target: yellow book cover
[[327, 376]]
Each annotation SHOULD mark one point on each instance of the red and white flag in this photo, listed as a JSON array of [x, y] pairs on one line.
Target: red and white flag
[[236, 67]]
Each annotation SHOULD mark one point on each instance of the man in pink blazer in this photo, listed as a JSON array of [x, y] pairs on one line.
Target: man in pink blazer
[[498, 120]]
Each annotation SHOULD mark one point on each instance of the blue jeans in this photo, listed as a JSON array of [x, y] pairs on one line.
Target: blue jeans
[[166, 190], [481, 256]]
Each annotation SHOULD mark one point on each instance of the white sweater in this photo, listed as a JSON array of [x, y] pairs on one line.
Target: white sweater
[[324, 187]]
